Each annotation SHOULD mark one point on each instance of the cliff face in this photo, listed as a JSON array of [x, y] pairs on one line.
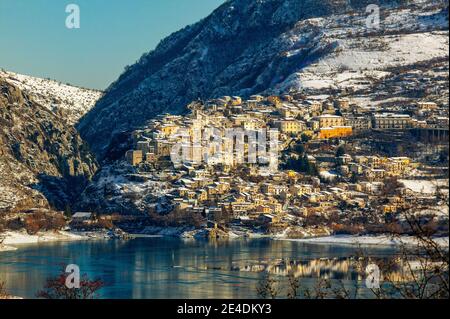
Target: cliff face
[[42, 158], [67, 102], [246, 47]]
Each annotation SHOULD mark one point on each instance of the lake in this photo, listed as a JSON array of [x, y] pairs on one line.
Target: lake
[[153, 268]]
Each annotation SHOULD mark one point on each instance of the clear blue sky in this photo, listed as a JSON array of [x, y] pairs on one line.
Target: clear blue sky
[[34, 39]]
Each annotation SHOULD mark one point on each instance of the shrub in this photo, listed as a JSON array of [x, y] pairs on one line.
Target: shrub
[[40, 221], [105, 223], [3, 293], [177, 218], [15, 224], [2, 224], [55, 288], [340, 229]]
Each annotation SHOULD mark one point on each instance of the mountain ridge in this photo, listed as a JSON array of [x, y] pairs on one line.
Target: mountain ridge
[[250, 47], [67, 101], [43, 161]]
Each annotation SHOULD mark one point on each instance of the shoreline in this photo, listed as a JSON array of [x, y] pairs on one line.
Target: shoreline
[[14, 240], [367, 240], [383, 240]]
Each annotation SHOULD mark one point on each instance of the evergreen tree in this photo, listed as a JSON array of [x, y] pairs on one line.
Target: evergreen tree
[[340, 151]]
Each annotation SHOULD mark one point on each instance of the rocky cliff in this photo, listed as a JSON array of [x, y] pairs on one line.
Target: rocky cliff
[[43, 161], [68, 102]]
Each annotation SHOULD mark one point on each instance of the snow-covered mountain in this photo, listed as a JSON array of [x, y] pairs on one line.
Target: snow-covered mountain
[[68, 102], [43, 160], [247, 47]]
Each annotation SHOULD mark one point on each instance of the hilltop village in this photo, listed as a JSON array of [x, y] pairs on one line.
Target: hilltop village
[[286, 166]]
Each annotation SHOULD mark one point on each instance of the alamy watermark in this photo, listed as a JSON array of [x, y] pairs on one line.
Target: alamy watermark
[[373, 276], [229, 146], [73, 19], [373, 20], [73, 277]]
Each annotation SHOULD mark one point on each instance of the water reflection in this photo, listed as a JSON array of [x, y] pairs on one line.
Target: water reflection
[[172, 268]]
